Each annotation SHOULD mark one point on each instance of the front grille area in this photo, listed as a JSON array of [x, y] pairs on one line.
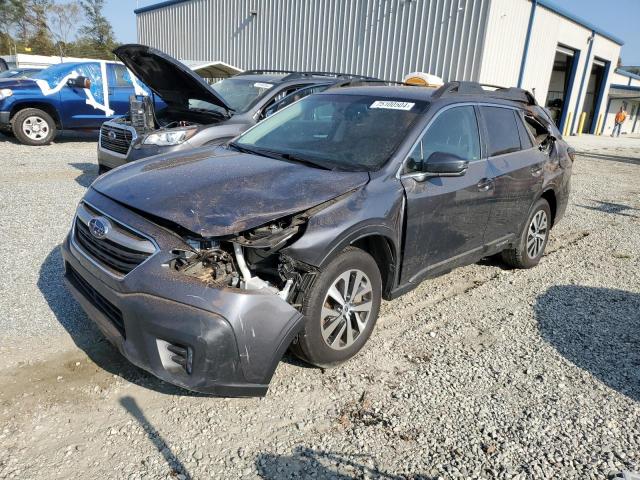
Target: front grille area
[[120, 250], [115, 139], [116, 257], [102, 304]]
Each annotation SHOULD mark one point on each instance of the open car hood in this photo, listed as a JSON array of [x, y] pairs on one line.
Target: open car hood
[[171, 80], [219, 192]]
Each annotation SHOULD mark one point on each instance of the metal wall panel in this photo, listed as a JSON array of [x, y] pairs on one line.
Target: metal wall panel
[[382, 38]]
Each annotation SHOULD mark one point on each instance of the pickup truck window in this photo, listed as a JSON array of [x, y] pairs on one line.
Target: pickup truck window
[[118, 76]]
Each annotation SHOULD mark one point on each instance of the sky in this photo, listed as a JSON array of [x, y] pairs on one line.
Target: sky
[[618, 17]]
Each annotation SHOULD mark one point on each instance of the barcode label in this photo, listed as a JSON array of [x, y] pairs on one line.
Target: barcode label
[[391, 105]]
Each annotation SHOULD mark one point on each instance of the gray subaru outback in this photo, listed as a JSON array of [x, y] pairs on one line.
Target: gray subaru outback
[[205, 266]]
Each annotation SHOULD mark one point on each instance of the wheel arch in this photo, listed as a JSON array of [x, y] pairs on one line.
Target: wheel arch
[[378, 241], [550, 196], [44, 106]]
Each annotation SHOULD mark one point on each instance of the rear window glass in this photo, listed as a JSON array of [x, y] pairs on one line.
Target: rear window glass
[[502, 130], [525, 139]]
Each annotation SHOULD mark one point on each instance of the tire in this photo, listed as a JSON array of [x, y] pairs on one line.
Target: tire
[[525, 254], [351, 264], [44, 128]]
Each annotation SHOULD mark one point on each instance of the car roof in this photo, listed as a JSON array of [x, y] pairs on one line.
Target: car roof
[[293, 77], [385, 91], [418, 93]]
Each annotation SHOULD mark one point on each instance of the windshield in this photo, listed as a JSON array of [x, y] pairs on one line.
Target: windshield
[[339, 132], [240, 93]]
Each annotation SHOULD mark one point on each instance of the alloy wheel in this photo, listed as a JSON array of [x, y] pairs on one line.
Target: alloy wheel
[[537, 234], [346, 309]]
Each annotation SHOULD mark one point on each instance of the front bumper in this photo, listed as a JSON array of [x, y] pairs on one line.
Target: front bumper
[[5, 119], [235, 338]]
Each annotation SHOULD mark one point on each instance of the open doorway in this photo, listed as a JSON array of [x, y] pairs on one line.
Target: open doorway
[[562, 75], [593, 96]]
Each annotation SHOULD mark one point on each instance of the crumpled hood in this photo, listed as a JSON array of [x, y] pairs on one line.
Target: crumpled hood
[[221, 192]]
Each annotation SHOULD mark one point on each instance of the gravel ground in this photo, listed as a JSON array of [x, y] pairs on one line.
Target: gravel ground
[[482, 373]]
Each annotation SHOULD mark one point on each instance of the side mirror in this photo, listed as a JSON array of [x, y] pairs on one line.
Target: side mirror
[[79, 82], [441, 164]]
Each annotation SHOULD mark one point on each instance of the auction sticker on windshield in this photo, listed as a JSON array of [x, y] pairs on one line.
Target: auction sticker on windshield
[[266, 86], [391, 105]]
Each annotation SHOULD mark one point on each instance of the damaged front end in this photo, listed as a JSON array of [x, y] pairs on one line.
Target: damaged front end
[[252, 260], [213, 315]]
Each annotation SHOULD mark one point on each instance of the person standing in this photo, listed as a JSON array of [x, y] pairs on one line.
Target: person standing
[[621, 116]]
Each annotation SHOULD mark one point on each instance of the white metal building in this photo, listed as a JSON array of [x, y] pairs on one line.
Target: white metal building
[[568, 64]]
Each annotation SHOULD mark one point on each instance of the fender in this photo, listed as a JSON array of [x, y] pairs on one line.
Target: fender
[[366, 212], [49, 105]]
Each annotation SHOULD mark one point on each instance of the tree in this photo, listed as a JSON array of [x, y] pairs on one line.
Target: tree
[[97, 35], [63, 20]]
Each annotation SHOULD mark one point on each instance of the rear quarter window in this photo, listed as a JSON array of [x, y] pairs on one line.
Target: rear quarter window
[[502, 130]]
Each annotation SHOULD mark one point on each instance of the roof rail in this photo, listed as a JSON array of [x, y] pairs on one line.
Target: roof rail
[[257, 71], [363, 81], [292, 74], [486, 90]]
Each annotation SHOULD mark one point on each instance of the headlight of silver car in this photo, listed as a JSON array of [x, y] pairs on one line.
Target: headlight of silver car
[[170, 137], [5, 92]]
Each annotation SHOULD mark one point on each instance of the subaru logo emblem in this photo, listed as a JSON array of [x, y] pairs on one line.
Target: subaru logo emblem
[[99, 227], [111, 135]]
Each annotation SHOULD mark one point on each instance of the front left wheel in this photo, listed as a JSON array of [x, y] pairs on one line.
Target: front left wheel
[[340, 309], [33, 126]]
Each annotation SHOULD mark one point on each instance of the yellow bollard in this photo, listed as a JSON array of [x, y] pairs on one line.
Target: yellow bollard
[[583, 117], [567, 125], [598, 132]]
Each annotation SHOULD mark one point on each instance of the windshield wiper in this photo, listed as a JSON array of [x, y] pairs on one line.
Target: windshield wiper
[[240, 149], [295, 158], [278, 155]]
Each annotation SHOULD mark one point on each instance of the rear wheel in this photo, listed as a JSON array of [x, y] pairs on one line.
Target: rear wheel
[[340, 309], [533, 238], [33, 126]]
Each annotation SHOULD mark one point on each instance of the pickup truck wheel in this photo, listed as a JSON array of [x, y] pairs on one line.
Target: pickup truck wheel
[[340, 309], [533, 239], [33, 126]]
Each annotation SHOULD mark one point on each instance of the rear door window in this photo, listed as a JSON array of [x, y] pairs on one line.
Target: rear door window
[[525, 139], [502, 130]]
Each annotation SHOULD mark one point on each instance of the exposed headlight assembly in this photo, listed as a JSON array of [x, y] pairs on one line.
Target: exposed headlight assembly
[[170, 137], [5, 92]]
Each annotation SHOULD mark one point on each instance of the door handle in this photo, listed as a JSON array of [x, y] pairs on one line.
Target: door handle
[[485, 184]]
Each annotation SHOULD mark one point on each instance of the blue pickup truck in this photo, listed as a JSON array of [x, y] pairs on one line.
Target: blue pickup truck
[[65, 96]]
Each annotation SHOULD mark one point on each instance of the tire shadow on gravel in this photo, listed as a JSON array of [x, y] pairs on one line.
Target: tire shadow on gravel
[[597, 329], [306, 463], [86, 335]]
